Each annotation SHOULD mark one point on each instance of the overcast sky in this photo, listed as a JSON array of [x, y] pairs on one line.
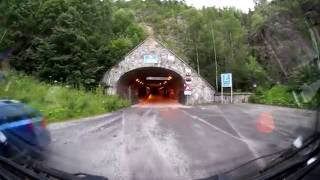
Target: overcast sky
[[243, 5]]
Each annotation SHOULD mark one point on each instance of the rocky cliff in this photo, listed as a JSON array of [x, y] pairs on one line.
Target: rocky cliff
[[288, 41]]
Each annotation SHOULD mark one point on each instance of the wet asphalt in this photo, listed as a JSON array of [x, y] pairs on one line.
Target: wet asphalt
[[175, 142]]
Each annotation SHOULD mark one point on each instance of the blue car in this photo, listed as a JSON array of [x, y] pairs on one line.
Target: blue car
[[22, 131]]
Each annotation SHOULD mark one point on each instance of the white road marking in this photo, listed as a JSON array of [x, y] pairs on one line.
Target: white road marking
[[117, 118], [260, 162], [277, 129], [242, 138], [147, 112], [212, 126], [167, 148], [78, 134], [157, 146], [125, 171]]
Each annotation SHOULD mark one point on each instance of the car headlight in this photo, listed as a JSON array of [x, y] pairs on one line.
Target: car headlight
[[3, 138]]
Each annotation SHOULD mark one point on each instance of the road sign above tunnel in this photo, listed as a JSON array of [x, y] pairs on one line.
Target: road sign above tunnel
[[150, 58], [187, 90], [188, 80], [188, 72]]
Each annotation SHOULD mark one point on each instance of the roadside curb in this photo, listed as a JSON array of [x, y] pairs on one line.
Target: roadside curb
[[57, 125], [66, 123]]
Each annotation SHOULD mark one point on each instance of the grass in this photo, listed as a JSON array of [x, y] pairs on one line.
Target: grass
[[58, 102]]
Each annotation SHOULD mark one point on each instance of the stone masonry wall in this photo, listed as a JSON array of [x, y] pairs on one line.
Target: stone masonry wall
[[202, 91]]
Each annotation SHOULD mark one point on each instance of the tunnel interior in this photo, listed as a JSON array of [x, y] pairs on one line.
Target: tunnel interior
[[152, 85]]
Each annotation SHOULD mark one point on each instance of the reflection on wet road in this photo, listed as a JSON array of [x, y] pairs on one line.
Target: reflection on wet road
[[158, 101], [174, 141]]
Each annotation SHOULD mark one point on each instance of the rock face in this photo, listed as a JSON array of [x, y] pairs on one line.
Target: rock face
[[312, 12], [285, 43], [202, 91]]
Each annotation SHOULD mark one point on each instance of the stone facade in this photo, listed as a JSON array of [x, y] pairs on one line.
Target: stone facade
[[202, 91]]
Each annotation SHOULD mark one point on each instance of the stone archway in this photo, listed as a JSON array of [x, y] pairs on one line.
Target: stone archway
[[151, 54]]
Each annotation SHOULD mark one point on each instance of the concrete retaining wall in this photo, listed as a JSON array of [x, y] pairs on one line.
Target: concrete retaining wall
[[237, 97]]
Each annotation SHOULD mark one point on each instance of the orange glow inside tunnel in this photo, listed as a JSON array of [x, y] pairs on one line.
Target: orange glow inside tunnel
[[151, 85], [265, 123], [157, 99]]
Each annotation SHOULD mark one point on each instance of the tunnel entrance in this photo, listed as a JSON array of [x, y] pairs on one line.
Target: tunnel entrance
[[152, 85], [143, 75]]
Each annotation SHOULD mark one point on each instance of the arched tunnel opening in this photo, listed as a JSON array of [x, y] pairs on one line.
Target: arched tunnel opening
[[152, 85]]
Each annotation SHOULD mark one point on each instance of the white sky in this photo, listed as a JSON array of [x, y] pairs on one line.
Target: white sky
[[243, 5]]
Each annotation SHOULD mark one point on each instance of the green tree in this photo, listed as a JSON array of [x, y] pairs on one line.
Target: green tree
[[67, 40]]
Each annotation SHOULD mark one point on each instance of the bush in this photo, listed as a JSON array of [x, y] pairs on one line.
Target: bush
[[58, 102], [277, 95]]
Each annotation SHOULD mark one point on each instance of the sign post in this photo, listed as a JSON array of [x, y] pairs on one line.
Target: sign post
[[231, 95], [222, 95], [226, 81]]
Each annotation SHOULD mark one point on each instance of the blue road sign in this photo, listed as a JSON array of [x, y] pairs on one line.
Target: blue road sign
[[150, 58], [226, 80]]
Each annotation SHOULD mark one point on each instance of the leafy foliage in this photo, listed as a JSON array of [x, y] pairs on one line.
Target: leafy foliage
[[206, 38], [73, 42], [277, 95], [58, 102], [304, 75]]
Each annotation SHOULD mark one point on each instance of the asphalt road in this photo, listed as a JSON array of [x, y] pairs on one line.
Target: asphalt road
[[175, 142]]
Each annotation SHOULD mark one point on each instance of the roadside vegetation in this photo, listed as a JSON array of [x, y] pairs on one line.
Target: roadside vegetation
[[282, 95], [76, 42], [58, 102], [70, 41]]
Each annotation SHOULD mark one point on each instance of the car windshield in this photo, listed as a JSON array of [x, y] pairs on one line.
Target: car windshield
[[161, 89]]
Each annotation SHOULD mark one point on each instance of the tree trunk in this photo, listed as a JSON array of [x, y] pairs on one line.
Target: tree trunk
[[197, 54], [3, 35], [215, 57], [231, 46]]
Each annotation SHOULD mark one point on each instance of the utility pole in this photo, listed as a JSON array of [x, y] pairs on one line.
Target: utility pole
[[215, 56], [197, 59], [231, 44]]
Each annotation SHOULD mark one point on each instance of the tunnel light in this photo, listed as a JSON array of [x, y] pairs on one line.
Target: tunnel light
[[137, 80], [156, 78], [151, 78]]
